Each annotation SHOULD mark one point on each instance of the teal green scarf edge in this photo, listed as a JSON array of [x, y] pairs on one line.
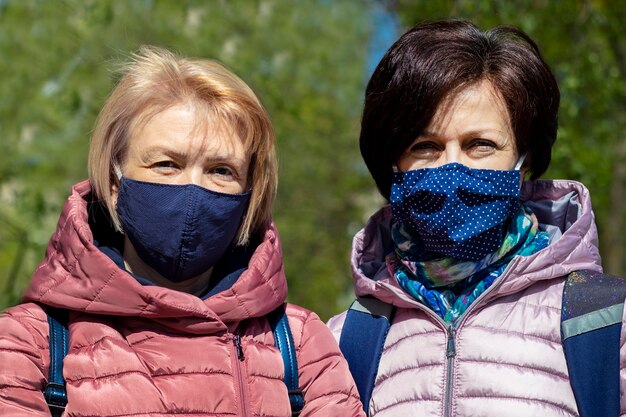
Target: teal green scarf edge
[[449, 286]]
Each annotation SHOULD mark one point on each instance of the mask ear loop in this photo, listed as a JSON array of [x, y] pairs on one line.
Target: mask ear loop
[[519, 163], [118, 173], [117, 170]]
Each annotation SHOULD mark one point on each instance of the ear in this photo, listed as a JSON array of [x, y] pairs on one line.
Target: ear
[[114, 190], [114, 193], [115, 183]]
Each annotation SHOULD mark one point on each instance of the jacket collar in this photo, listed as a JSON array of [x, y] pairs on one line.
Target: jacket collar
[[76, 275], [563, 206]]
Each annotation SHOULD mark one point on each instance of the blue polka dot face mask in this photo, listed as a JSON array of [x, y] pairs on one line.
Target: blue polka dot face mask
[[456, 211]]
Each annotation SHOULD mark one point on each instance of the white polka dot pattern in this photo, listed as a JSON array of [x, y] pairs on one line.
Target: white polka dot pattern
[[457, 211]]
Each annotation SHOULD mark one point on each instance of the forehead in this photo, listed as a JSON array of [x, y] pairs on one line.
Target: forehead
[[184, 126], [480, 99]]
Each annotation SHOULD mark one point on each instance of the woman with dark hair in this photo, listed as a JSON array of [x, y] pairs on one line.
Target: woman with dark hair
[[472, 257]]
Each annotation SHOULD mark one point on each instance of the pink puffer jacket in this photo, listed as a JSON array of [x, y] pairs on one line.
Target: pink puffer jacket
[[504, 356], [149, 351]]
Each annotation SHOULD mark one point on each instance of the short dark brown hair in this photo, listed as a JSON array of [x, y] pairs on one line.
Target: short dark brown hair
[[436, 59]]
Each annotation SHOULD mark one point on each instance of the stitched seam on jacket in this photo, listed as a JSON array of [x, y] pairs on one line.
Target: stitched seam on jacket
[[268, 278], [4, 386], [559, 407], [526, 335], [321, 358], [305, 321], [339, 393], [239, 302], [91, 344], [269, 264], [145, 339], [106, 284], [145, 306], [22, 352], [28, 329], [147, 374], [383, 377], [270, 377], [518, 366], [407, 400], [308, 317], [71, 266], [435, 332], [265, 279], [166, 413], [540, 306]]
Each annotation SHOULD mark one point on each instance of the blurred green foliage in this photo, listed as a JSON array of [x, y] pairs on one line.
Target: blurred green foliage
[[306, 60]]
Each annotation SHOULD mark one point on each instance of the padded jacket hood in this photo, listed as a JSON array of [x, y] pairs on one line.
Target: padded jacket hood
[[503, 356], [76, 275], [151, 351]]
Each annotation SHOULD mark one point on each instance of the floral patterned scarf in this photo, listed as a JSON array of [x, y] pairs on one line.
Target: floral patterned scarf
[[448, 286]]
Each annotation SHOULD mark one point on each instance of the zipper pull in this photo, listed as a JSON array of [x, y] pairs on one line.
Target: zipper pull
[[451, 349], [238, 348]]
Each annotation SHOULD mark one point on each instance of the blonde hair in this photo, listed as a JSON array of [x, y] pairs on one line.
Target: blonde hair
[[155, 80]]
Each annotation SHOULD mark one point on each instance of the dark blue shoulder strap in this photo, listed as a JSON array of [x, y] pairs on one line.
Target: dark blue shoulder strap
[[55, 393], [283, 340], [362, 340], [591, 322]]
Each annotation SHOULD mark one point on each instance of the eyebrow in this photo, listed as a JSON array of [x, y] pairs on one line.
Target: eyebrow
[[476, 132], [157, 150]]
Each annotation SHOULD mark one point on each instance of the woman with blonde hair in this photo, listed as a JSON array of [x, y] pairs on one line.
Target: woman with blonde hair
[[167, 270]]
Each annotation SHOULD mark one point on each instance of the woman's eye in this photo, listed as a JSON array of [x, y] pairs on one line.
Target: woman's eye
[[483, 145], [423, 147], [164, 164], [223, 171]]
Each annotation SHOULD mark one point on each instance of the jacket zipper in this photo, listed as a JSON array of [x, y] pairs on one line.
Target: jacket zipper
[[450, 354], [451, 331], [238, 359]]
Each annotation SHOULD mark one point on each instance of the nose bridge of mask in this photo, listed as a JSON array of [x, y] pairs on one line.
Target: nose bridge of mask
[[483, 183], [454, 189], [436, 188]]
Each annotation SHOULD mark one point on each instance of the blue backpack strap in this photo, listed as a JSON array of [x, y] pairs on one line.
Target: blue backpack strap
[[362, 340], [283, 340], [591, 322], [55, 393]]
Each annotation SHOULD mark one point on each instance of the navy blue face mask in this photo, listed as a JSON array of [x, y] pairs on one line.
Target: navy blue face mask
[[458, 212], [179, 230]]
